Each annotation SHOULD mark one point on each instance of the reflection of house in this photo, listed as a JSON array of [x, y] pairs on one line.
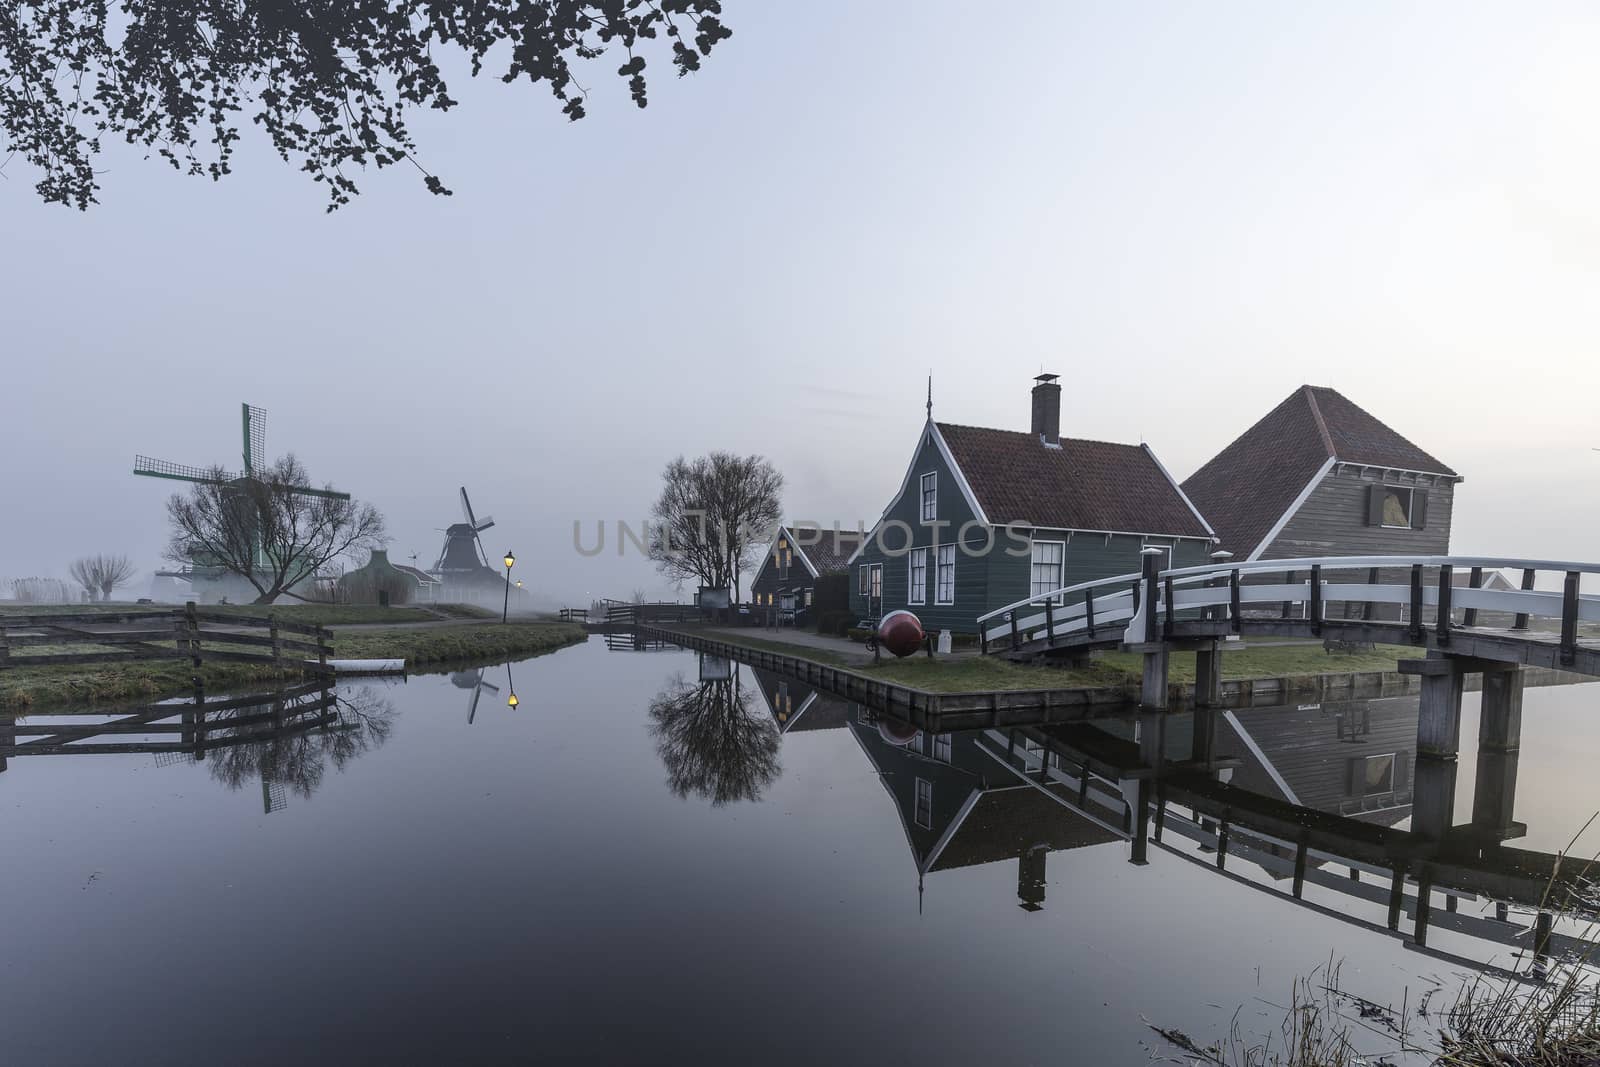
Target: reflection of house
[[796, 706], [986, 517], [1351, 758], [1318, 476], [960, 808], [787, 577]]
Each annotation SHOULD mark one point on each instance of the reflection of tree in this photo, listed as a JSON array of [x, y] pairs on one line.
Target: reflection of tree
[[297, 754], [713, 745]]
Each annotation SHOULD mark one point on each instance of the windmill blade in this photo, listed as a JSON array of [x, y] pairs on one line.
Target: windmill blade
[[466, 507], [181, 472], [484, 523]]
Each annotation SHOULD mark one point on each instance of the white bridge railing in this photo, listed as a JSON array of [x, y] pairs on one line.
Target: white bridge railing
[[1152, 603]]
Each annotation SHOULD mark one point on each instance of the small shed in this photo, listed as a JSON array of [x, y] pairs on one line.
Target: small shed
[[379, 581]]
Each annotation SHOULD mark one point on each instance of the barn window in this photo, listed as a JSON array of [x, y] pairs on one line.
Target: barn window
[[930, 497], [919, 576], [924, 809], [1397, 507], [946, 591]]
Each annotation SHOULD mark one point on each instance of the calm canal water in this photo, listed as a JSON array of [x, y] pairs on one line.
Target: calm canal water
[[625, 868]]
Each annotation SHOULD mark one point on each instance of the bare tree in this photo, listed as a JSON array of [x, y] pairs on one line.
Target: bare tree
[[712, 516], [100, 575], [712, 743], [268, 529]]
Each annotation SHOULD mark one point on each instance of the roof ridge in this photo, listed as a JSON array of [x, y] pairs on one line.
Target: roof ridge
[[1028, 434], [1316, 415]]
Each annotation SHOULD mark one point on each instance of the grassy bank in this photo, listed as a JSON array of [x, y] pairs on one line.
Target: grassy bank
[[25, 687]]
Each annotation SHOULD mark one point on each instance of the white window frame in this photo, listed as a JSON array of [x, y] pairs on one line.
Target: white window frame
[[1033, 564], [1411, 504], [915, 593], [928, 498], [875, 589], [946, 560], [923, 818]]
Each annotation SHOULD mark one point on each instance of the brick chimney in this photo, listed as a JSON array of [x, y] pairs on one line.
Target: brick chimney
[[1047, 409]]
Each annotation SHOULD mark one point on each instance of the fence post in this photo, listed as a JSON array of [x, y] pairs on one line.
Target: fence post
[[1521, 621], [1150, 566], [1166, 625], [1569, 618], [277, 649], [1049, 623], [1366, 609], [1283, 609], [191, 623], [1447, 584], [1474, 581], [1088, 611], [322, 649], [1016, 640]]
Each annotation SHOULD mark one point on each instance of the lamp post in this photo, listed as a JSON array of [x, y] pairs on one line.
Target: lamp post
[[505, 606], [511, 701]]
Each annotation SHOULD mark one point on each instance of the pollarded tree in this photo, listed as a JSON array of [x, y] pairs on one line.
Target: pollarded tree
[[267, 529], [330, 83], [100, 575]]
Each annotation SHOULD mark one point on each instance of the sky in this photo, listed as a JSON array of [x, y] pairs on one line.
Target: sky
[[1187, 211]]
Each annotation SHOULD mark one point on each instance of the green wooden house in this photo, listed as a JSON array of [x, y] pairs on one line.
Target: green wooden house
[[984, 518]]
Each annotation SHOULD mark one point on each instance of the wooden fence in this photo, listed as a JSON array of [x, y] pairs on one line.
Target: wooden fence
[[183, 633]]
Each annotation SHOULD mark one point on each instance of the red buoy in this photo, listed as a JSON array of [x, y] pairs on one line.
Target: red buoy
[[897, 733], [901, 633]]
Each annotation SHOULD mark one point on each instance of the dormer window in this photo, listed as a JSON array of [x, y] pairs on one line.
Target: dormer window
[[783, 554], [930, 496]]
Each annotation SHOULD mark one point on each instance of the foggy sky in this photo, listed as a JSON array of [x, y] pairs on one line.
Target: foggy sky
[[1187, 211]]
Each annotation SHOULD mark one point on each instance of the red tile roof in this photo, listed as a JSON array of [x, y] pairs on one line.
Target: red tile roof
[[828, 555], [1083, 485], [1248, 486]]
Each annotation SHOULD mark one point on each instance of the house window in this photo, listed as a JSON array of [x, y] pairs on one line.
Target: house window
[[919, 576], [1397, 506], [945, 592], [941, 747], [924, 809], [785, 705], [930, 497], [864, 580], [1372, 775], [806, 593], [877, 581], [1049, 557]]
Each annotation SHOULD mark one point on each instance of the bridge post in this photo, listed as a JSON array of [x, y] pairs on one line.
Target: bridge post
[[1521, 621], [1433, 789], [1447, 584], [1499, 742], [1203, 737], [1153, 685], [1208, 675]]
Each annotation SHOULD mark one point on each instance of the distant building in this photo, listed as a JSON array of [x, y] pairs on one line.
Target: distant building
[[787, 577], [1319, 476], [380, 581], [984, 518]]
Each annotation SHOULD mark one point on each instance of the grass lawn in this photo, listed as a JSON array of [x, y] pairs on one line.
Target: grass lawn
[[23, 687]]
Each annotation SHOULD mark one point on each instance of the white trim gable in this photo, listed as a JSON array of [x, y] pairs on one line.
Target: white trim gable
[[784, 531], [929, 429], [1299, 502], [1162, 467]]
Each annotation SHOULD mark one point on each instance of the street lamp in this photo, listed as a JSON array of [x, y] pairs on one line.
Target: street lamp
[[511, 701], [505, 605]]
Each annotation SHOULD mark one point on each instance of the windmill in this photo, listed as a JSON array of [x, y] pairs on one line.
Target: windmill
[[254, 424], [463, 555]]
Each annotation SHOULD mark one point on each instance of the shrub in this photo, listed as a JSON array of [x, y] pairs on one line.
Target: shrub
[[835, 623]]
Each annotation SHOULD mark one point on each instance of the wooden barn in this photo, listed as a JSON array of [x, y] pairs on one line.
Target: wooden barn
[[1319, 476], [984, 518], [787, 577]]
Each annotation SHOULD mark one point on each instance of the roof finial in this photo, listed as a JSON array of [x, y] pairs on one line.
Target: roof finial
[[930, 394]]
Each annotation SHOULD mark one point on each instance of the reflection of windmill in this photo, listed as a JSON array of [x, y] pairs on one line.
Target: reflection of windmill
[[463, 550], [254, 421], [472, 680]]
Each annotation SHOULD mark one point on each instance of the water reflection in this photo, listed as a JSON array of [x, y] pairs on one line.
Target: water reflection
[[713, 743], [296, 756]]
